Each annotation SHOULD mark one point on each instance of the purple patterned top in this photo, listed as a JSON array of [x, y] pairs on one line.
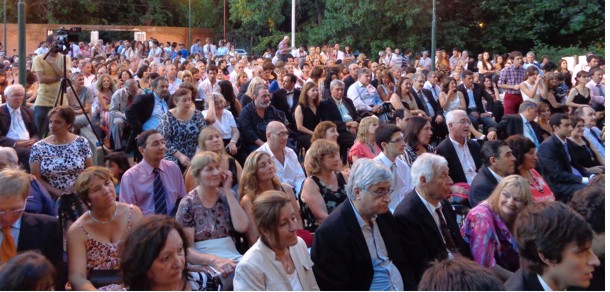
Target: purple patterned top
[[209, 223], [491, 243]]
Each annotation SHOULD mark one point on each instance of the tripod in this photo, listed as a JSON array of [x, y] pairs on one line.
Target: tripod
[[64, 83]]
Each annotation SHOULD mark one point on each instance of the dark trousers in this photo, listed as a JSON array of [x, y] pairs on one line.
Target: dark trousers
[[41, 119]]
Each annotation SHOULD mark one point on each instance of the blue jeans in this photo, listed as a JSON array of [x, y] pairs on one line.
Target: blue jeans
[[41, 119]]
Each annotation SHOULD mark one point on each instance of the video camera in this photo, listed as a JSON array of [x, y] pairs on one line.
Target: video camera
[[63, 39]]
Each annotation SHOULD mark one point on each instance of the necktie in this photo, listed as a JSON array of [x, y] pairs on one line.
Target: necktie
[[8, 250], [423, 101], [530, 131], [449, 243], [289, 92], [599, 87], [159, 195]]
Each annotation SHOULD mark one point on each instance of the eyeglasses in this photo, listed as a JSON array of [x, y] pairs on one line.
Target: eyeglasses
[[467, 122], [380, 193], [12, 213]]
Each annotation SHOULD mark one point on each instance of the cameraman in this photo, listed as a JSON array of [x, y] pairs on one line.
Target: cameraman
[[49, 72]]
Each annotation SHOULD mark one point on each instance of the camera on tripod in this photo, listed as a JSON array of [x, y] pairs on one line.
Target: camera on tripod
[[63, 39]]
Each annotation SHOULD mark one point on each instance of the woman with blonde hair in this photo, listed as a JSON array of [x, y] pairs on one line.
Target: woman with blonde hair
[[365, 146], [324, 189], [211, 140], [247, 97], [257, 177], [106, 86], [488, 226]]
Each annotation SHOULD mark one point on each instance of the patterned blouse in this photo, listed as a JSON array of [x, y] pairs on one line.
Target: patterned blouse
[[491, 243], [60, 165], [332, 199], [410, 153], [209, 223], [181, 135]]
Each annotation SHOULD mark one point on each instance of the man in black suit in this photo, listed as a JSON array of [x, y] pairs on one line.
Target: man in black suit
[[425, 102], [145, 112], [33, 231], [563, 175], [357, 242], [498, 162], [554, 249], [462, 154], [352, 78], [474, 95], [17, 127], [424, 219], [521, 124], [341, 111], [287, 99]]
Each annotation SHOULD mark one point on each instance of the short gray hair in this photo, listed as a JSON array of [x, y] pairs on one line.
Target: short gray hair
[[363, 71], [11, 89], [528, 104], [451, 116], [337, 83], [365, 173], [11, 155], [426, 165], [418, 75]]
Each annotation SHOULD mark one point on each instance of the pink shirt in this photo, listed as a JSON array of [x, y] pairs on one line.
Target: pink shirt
[[137, 186]]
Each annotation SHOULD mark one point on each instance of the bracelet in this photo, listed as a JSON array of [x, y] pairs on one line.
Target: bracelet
[[233, 141]]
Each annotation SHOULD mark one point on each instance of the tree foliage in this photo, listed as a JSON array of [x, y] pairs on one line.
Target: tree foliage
[[366, 25]]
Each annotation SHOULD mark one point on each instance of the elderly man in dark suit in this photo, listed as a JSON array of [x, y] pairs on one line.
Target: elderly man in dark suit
[[424, 219], [17, 127], [146, 110], [287, 99], [521, 124], [563, 175], [462, 154], [425, 102], [356, 247], [498, 162], [341, 111], [474, 95], [32, 231]]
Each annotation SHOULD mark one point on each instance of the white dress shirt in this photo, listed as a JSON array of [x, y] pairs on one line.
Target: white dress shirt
[[468, 165], [17, 130], [291, 171], [401, 183]]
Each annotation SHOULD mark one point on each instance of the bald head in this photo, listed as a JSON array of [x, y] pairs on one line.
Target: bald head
[[275, 126]]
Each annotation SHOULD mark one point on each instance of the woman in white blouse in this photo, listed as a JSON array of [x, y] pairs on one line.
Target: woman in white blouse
[[225, 123]]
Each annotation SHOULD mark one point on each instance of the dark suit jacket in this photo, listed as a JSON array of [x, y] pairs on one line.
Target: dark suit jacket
[[523, 281], [341, 256], [137, 113], [41, 232], [420, 236], [557, 169], [478, 93], [512, 124], [348, 81], [446, 149], [483, 184], [438, 110], [278, 100], [5, 124], [330, 112]]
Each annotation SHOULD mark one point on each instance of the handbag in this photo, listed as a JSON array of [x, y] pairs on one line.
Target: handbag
[[100, 278]]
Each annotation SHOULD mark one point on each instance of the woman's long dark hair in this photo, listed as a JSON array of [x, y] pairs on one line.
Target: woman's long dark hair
[[226, 89], [142, 246], [414, 126]]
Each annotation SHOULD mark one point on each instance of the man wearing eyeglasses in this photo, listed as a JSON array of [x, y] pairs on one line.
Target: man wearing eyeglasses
[[356, 247], [424, 219], [25, 231], [390, 138]]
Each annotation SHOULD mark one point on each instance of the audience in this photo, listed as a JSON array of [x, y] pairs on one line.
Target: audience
[[258, 270], [365, 146], [17, 127], [418, 134], [341, 111], [526, 159], [225, 124], [498, 162]]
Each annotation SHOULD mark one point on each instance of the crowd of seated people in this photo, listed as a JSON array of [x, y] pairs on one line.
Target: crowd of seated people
[[354, 170]]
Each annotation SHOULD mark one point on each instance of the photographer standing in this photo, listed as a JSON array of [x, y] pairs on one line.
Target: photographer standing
[[49, 72]]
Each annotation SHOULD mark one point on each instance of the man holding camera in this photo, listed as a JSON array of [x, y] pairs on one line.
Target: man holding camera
[[49, 72]]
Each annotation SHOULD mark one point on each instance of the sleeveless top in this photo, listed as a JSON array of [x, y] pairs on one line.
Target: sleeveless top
[[332, 199], [455, 103], [537, 95], [103, 255], [581, 99], [310, 120]]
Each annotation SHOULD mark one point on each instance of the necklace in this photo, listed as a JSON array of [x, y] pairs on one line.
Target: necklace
[[105, 222], [535, 183]]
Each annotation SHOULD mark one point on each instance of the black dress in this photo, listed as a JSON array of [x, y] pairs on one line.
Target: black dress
[[583, 154], [332, 199], [310, 121], [581, 99]]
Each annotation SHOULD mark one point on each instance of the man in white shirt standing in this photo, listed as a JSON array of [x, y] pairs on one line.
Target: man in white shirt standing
[[390, 138], [287, 166]]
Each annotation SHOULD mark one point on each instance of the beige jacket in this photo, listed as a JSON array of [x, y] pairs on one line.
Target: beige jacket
[[259, 271]]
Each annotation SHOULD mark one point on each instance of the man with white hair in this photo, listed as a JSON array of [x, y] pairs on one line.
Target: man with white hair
[[424, 219], [17, 127], [356, 247], [283, 49], [463, 155]]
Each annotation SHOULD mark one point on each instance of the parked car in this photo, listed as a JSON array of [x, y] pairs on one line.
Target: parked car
[[241, 52]]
